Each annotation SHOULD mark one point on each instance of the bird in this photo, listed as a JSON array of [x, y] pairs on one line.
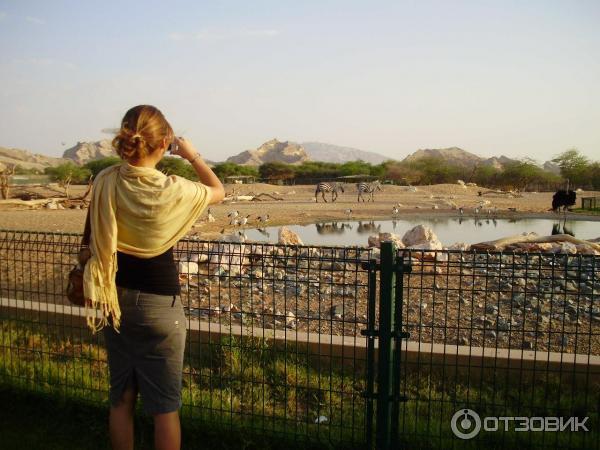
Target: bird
[[233, 214], [243, 220], [461, 210], [395, 210], [234, 222], [477, 209], [263, 219], [348, 212], [210, 217]]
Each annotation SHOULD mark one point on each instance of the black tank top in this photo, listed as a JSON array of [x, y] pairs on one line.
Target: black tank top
[[156, 275]]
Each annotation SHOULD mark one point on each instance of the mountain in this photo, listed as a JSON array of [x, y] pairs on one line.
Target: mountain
[[271, 151], [458, 156], [27, 159], [83, 152], [551, 167], [318, 151]]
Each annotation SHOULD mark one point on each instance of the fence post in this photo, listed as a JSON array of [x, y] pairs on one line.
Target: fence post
[[387, 312]]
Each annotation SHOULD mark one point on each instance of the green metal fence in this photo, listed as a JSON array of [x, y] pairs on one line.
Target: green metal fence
[[590, 203], [339, 346]]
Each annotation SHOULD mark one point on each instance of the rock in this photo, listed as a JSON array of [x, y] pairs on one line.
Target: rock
[[273, 150], [418, 235], [542, 247], [336, 310], [527, 345], [51, 205], [84, 152], [490, 334], [564, 247], [583, 249], [290, 319], [502, 324], [432, 245], [375, 240], [491, 309], [459, 246], [188, 267], [288, 237]]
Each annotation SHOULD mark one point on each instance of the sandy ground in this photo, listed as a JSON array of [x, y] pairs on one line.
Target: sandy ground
[[298, 207]]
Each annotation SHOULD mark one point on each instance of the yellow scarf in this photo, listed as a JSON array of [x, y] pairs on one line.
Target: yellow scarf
[[139, 211]]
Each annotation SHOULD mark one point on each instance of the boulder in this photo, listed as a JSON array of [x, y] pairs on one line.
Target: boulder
[[583, 249], [459, 246], [564, 247], [288, 237], [188, 267], [431, 245], [419, 236], [375, 240]]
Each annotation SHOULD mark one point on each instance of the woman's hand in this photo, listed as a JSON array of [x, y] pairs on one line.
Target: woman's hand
[[184, 148]]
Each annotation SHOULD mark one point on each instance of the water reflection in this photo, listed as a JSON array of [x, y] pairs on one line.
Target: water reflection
[[368, 227], [325, 228], [562, 228], [448, 229]]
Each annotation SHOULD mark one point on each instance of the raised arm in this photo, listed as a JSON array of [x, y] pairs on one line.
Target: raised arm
[[186, 150]]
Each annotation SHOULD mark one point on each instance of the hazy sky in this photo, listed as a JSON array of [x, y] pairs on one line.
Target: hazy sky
[[515, 78]]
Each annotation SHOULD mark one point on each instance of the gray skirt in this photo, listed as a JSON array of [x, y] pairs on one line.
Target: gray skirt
[[147, 352]]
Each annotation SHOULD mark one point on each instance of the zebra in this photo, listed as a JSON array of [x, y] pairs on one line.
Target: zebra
[[327, 187], [368, 188]]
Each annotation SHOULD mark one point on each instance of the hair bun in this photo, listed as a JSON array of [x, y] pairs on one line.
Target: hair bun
[[143, 130]]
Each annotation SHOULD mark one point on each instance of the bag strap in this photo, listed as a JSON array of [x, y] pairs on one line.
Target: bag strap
[[85, 241]]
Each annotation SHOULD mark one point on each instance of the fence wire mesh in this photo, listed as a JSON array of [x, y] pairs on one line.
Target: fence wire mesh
[[276, 340]]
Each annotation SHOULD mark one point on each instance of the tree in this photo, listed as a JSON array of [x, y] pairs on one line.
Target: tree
[[177, 166], [401, 173], [226, 169], [97, 165], [68, 173], [520, 174], [573, 166], [276, 171], [5, 175]]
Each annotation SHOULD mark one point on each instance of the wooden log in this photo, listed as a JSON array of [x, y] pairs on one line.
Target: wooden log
[[500, 244]]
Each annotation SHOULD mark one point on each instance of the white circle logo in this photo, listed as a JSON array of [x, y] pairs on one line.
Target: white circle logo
[[465, 424]]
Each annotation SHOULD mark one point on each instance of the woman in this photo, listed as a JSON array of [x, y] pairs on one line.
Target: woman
[[136, 216]]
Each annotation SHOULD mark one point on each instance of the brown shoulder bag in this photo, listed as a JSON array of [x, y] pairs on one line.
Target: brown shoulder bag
[[75, 280]]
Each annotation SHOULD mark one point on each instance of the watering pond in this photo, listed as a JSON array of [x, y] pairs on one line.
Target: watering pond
[[449, 230]]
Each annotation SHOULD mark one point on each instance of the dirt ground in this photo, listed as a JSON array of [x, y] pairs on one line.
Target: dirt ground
[[298, 206]]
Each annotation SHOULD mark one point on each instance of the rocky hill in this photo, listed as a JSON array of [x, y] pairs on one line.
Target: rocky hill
[[27, 159], [271, 151], [84, 152], [318, 151], [458, 156]]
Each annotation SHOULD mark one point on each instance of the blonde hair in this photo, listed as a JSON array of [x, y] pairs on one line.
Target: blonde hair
[[142, 132]]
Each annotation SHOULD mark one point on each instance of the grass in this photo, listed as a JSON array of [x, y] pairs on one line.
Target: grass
[[591, 212], [249, 394]]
